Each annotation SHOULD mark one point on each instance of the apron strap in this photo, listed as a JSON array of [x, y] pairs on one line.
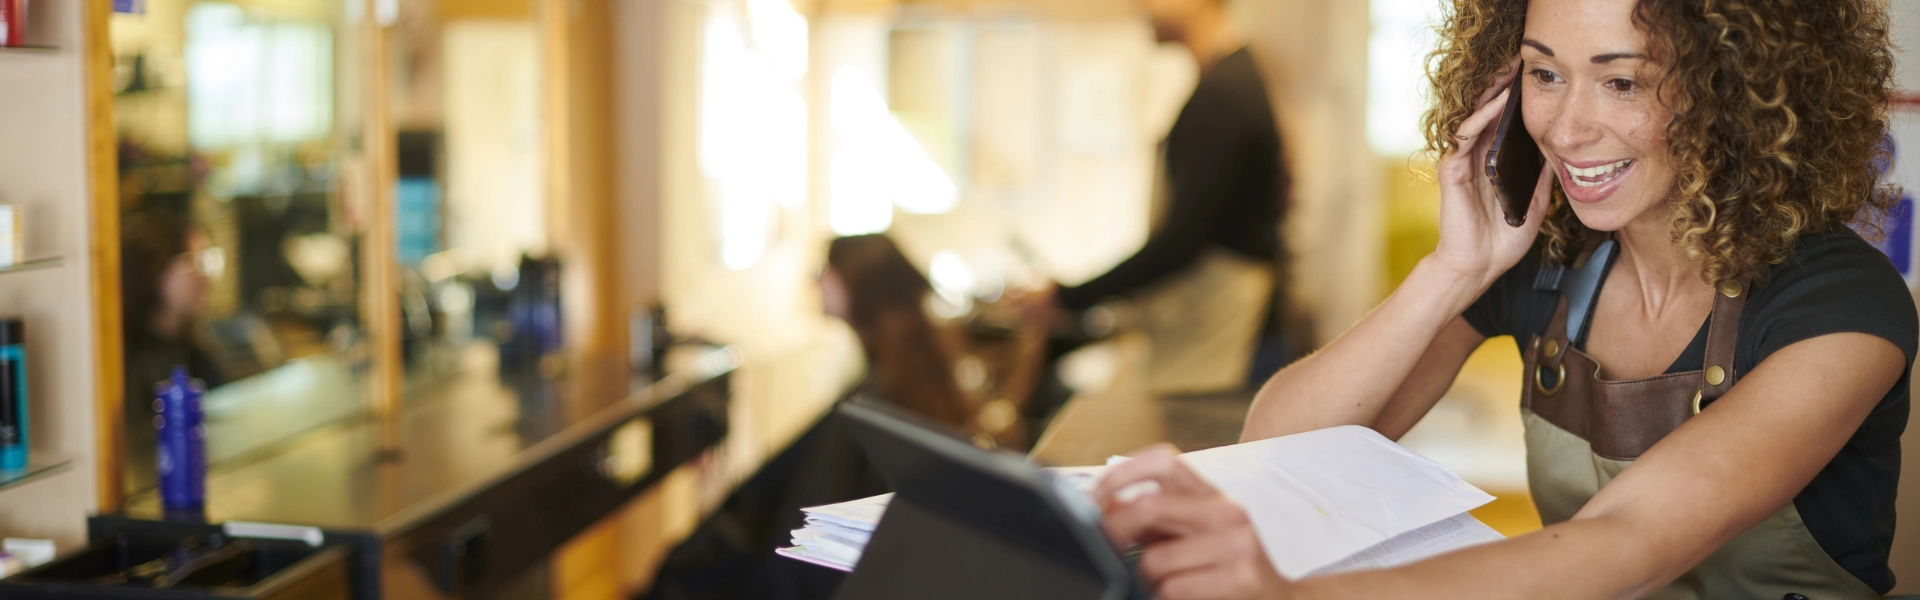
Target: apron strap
[[1723, 330]]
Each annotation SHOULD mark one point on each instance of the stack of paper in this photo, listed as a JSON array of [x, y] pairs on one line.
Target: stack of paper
[[835, 534], [1326, 501]]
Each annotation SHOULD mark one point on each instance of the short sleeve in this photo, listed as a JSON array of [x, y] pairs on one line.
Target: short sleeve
[[1510, 306], [1836, 283]]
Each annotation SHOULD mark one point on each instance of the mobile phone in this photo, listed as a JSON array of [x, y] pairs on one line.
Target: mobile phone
[[1514, 162]]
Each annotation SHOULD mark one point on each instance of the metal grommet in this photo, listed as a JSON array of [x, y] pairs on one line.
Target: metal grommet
[[1553, 348], [1696, 402], [1730, 289], [1715, 375], [1539, 382]]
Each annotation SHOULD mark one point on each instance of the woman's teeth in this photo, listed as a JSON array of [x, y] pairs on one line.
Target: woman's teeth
[[1595, 176]]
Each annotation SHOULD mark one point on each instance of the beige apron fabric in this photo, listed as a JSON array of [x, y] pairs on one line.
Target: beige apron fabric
[[1769, 561], [1202, 323]]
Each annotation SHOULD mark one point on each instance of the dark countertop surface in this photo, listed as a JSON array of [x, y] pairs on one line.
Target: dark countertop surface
[[452, 439]]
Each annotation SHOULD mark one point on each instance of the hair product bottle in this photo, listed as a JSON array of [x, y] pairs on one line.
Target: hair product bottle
[[13, 394], [182, 455]]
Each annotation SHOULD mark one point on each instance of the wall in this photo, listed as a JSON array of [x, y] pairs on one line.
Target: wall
[[1316, 56], [43, 166]]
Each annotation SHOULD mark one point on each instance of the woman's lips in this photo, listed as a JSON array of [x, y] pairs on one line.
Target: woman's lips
[[1596, 182]]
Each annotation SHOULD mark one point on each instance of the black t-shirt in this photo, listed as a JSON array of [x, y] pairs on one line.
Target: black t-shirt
[[1225, 184], [1834, 283]]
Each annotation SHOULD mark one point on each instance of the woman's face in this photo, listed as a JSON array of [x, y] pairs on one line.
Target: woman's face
[[183, 289], [1590, 101]]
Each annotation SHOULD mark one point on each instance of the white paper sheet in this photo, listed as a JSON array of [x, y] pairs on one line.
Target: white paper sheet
[[1461, 531], [1318, 497]]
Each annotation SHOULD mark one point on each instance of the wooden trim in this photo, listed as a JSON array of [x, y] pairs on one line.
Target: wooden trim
[[103, 183], [556, 110], [380, 272]]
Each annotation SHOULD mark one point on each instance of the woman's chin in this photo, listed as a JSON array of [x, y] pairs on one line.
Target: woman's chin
[[1595, 218]]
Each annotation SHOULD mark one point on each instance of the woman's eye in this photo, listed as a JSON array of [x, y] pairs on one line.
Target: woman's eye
[[1544, 76], [1623, 86]]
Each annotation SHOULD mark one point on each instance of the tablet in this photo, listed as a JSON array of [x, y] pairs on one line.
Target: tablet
[[970, 523]]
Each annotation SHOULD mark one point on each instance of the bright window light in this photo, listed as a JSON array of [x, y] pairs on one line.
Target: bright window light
[[753, 123], [250, 82], [878, 154], [1396, 73], [951, 277]]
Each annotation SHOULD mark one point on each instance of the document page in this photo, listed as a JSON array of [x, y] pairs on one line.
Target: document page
[[1420, 544]]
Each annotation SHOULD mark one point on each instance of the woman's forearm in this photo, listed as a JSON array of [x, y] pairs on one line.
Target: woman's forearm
[[1352, 379], [1583, 558]]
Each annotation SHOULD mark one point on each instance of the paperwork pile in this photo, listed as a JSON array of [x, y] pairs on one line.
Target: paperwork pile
[[835, 534], [1322, 502]]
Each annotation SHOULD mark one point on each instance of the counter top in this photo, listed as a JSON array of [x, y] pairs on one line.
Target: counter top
[[1114, 414], [451, 441]]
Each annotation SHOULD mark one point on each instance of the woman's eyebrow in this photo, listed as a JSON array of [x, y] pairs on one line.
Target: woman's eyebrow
[[1601, 59], [1538, 46]]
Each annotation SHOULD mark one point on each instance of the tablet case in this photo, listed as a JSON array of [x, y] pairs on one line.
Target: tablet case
[[968, 523]]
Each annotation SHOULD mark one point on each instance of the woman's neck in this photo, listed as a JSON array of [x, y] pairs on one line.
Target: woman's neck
[[1211, 36], [1659, 269]]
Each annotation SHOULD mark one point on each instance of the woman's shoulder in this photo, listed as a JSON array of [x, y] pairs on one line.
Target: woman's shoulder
[[1838, 258], [1834, 282]]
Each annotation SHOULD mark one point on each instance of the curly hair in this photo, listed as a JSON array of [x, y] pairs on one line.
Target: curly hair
[[1779, 116]]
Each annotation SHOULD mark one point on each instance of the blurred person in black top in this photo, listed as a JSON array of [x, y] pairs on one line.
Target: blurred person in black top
[[1207, 278]]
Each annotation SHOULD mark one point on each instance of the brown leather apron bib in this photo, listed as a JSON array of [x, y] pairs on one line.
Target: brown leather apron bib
[[1582, 431]]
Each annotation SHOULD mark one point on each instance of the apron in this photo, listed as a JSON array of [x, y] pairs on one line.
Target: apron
[[1581, 431], [1203, 322]]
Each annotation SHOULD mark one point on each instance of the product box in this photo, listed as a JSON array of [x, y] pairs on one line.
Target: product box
[[10, 238], [13, 23]]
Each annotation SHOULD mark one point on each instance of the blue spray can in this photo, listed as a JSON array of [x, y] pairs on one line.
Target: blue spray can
[[13, 396], [182, 454]]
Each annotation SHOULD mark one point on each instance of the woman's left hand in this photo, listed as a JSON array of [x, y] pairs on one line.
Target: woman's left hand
[[1199, 543]]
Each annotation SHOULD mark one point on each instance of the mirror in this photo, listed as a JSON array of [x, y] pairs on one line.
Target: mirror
[[465, 96], [242, 210]]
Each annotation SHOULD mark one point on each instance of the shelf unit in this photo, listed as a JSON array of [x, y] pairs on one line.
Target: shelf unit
[[48, 167]]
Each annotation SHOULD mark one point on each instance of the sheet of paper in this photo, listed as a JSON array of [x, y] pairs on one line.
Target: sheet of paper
[[859, 514], [801, 554], [1318, 497], [1461, 531]]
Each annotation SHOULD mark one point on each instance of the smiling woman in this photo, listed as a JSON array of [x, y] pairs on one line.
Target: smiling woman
[[1726, 334], [1775, 111]]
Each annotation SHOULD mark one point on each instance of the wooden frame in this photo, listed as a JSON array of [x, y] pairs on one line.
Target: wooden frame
[[104, 200]]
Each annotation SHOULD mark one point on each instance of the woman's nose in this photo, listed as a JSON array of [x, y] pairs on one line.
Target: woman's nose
[[1572, 125]]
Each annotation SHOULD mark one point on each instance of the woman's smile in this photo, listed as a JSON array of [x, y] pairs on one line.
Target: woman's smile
[[1593, 181]]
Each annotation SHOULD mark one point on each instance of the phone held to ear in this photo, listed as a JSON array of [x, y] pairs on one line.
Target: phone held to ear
[[1514, 162]]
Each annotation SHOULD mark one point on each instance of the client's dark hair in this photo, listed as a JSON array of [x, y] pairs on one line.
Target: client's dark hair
[[911, 366]]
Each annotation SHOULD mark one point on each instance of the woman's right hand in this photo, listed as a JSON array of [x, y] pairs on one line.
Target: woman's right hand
[[1475, 240]]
